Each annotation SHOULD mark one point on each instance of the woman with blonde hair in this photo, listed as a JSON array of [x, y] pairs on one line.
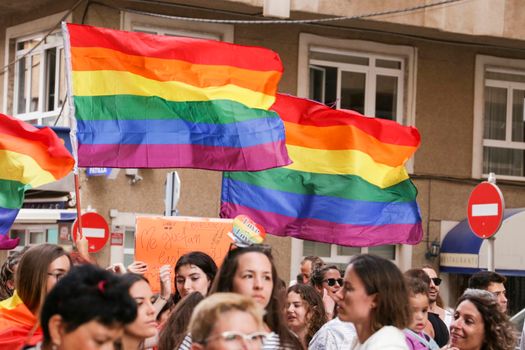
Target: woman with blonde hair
[[38, 271], [226, 321]]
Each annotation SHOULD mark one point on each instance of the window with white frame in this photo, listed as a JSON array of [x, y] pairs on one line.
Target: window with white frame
[[371, 78], [32, 234], [370, 84], [499, 118], [36, 83], [167, 26], [339, 255], [503, 125]]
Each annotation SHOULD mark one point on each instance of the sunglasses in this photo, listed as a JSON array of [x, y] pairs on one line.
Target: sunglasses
[[436, 281], [332, 281]]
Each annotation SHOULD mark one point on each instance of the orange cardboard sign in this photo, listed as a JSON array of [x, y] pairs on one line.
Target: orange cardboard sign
[[163, 240]]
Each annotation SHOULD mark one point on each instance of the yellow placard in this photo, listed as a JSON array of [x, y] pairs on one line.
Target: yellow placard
[[163, 240]]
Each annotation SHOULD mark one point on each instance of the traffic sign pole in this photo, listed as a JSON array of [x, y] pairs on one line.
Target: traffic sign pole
[[491, 244]]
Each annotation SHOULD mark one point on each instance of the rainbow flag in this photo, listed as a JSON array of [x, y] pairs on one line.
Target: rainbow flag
[[347, 184], [152, 101], [29, 157], [18, 326]]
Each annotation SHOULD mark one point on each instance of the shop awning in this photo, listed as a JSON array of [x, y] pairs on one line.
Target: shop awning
[[464, 252]]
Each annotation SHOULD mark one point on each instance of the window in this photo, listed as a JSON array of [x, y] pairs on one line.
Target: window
[[367, 83], [339, 255], [167, 26], [34, 234], [129, 246], [499, 130], [37, 81], [374, 79]]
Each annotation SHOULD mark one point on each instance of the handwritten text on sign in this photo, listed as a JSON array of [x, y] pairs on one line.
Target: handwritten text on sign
[[163, 240]]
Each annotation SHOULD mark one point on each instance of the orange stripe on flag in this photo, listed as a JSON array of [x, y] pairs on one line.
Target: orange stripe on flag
[[58, 167], [199, 75], [346, 137]]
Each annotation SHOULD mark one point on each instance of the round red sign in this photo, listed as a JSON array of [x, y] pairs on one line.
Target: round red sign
[[485, 210], [95, 229]]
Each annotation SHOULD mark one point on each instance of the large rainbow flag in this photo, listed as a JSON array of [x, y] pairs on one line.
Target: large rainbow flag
[[152, 101], [18, 326], [29, 157], [347, 184]]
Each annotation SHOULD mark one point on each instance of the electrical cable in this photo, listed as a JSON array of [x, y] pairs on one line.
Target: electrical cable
[[4, 68]]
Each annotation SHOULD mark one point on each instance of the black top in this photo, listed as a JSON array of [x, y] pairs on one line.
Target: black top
[[440, 329]]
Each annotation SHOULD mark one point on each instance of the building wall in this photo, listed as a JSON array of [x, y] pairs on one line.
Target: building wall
[[444, 111]]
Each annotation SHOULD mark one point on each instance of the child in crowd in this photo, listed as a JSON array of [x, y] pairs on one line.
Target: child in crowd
[[416, 338]]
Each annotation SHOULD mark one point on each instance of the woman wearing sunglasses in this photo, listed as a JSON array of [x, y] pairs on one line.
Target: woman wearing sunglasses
[[327, 281]]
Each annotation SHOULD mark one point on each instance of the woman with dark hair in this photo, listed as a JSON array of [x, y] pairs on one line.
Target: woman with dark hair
[[176, 327], [145, 325], [7, 273], [478, 324], [305, 312], [38, 271], [250, 271], [327, 281], [194, 272], [375, 299], [87, 309]]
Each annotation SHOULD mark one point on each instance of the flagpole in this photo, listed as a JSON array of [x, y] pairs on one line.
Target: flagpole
[[73, 130]]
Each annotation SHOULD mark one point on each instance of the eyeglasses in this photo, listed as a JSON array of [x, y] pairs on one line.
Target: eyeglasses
[[436, 281], [237, 339], [57, 275], [332, 281]]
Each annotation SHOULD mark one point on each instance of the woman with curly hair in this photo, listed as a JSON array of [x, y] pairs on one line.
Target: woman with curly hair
[[479, 325], [305, 312]]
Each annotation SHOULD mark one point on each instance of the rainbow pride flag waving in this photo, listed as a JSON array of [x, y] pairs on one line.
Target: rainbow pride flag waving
[[18, 326], [152, 101], [29, 157], [347, 184]]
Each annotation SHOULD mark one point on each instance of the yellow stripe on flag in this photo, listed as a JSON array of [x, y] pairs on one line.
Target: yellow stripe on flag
[[345, 162], [105, 83], [23, 168]]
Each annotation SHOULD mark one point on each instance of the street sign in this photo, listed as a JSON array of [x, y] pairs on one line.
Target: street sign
[[485, 209], [95, 229]]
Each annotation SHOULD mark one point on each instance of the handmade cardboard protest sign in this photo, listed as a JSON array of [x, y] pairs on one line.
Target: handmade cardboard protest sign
[[163, 240]]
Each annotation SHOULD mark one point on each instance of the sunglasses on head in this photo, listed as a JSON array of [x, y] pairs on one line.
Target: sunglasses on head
[[436, 281], [332, 281]]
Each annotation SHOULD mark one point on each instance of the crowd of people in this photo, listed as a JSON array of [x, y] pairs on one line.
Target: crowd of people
[[53, 301]]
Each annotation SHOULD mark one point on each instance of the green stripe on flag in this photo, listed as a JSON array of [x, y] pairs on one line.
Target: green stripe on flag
[[342, 186], [131, 107]]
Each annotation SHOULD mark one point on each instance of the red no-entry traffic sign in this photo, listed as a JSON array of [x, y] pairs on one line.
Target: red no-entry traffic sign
[[485, 209], [95, 229]]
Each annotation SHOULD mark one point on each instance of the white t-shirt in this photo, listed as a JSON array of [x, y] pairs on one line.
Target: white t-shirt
[[333, 335], [387, 338]]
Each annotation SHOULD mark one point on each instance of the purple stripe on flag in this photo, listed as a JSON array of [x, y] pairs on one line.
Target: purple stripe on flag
[[259, 157], [7, 217], [329, 232]]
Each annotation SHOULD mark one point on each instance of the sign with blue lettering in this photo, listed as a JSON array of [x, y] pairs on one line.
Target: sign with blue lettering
[[98, 171]]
